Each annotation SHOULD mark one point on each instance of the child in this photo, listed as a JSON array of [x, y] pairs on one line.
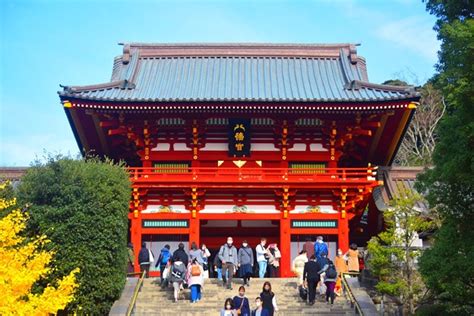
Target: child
[[259, 311], [229, 309]]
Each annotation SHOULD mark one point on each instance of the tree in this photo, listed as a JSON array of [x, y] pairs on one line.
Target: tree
[[392, 254], [419, 142], [82, 205], [420, 138], [450, 183], [23, 262], [447, 269]]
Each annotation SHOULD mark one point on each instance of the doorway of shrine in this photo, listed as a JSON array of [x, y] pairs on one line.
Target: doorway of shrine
[[214, 233], [297, 242], [156, 242]]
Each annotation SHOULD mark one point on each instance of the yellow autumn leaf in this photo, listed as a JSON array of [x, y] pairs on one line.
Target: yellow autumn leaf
[[22, 263]]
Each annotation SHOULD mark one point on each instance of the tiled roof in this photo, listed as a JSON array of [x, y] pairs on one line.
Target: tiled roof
[[238, 72], [397, 180], [12, 174]]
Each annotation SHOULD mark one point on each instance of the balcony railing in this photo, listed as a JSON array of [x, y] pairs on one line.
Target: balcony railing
[[236, 177]]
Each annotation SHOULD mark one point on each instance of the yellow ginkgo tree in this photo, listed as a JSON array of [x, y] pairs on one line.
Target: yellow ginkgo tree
[[23, 261]]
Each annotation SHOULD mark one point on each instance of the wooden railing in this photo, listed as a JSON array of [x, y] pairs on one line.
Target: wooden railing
[[216, 175]]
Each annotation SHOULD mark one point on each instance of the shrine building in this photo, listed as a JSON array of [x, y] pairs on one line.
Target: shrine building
[[281, 141]]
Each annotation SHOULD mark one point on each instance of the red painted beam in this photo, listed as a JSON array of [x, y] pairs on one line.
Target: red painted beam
[[165, 231], [240, 216]]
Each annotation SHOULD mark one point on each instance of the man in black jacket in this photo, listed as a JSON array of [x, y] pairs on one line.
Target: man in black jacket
[[181, 255], [144, 259], [311, 277]]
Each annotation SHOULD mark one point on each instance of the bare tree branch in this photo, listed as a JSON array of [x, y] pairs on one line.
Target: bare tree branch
[[420, 138]]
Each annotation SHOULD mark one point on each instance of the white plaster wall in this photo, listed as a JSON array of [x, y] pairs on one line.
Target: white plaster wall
[[156, 246], [257, 209]]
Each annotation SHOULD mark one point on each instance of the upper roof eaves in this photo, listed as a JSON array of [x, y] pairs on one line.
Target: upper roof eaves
[[307, 70]]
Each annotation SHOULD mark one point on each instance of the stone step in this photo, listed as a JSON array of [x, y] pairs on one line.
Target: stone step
[[152, 300], [216, 312]]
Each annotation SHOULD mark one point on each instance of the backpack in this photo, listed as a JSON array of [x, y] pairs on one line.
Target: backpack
[[320, 248], [331, 272], [195, 270], [165, 256], [144, 256], [176, 272]]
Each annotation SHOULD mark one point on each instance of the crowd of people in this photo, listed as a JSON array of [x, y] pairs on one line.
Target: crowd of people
[[314, 270]]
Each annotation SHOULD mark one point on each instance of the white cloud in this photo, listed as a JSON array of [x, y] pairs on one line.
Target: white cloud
[[414, 34]]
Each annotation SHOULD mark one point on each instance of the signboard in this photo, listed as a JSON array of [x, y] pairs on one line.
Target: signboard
[[165, 223], [239, 137], [313, 224]]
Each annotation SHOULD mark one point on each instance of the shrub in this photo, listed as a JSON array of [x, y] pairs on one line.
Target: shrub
[[82, 206]]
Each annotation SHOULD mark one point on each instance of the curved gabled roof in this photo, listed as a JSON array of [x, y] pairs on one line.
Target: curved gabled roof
[[239, 72]]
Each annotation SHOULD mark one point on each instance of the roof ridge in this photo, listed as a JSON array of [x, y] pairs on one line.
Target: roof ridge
[[239, 49], [239, 56], [237, 44]]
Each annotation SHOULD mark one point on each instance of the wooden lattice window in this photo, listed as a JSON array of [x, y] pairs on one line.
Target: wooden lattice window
[[171, 121], [307, 167], [254, 121], [217, 121], [308, 122], [261, 121], [171, 167]]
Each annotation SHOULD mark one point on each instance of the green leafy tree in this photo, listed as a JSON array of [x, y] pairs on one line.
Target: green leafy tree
[[447, 267], [392, 255], [82, 206]]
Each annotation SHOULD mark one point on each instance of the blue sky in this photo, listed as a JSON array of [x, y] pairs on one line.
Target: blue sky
[[47, 43]]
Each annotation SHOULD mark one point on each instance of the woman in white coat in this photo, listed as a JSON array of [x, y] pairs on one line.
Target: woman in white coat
[[195, 278], [298, 266]]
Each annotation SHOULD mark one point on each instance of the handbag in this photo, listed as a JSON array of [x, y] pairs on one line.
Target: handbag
[[239, 310], [277, 254], [152, 259], [322, 289], [303, 292], [166, 273]]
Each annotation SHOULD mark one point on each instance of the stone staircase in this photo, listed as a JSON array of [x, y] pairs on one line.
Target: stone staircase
[[152, 300]]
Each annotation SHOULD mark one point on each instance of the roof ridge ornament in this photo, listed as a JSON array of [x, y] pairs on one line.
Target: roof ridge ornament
[[122, 84], [353, 54], [359, 84], [126, 54], [126, 84]]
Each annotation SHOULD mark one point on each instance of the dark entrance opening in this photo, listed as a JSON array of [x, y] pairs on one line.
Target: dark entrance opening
[[214, 234]]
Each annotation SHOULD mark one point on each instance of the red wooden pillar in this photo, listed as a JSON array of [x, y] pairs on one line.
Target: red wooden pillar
[[136, 238], [343, 232], [194, 228], [285, 247]]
